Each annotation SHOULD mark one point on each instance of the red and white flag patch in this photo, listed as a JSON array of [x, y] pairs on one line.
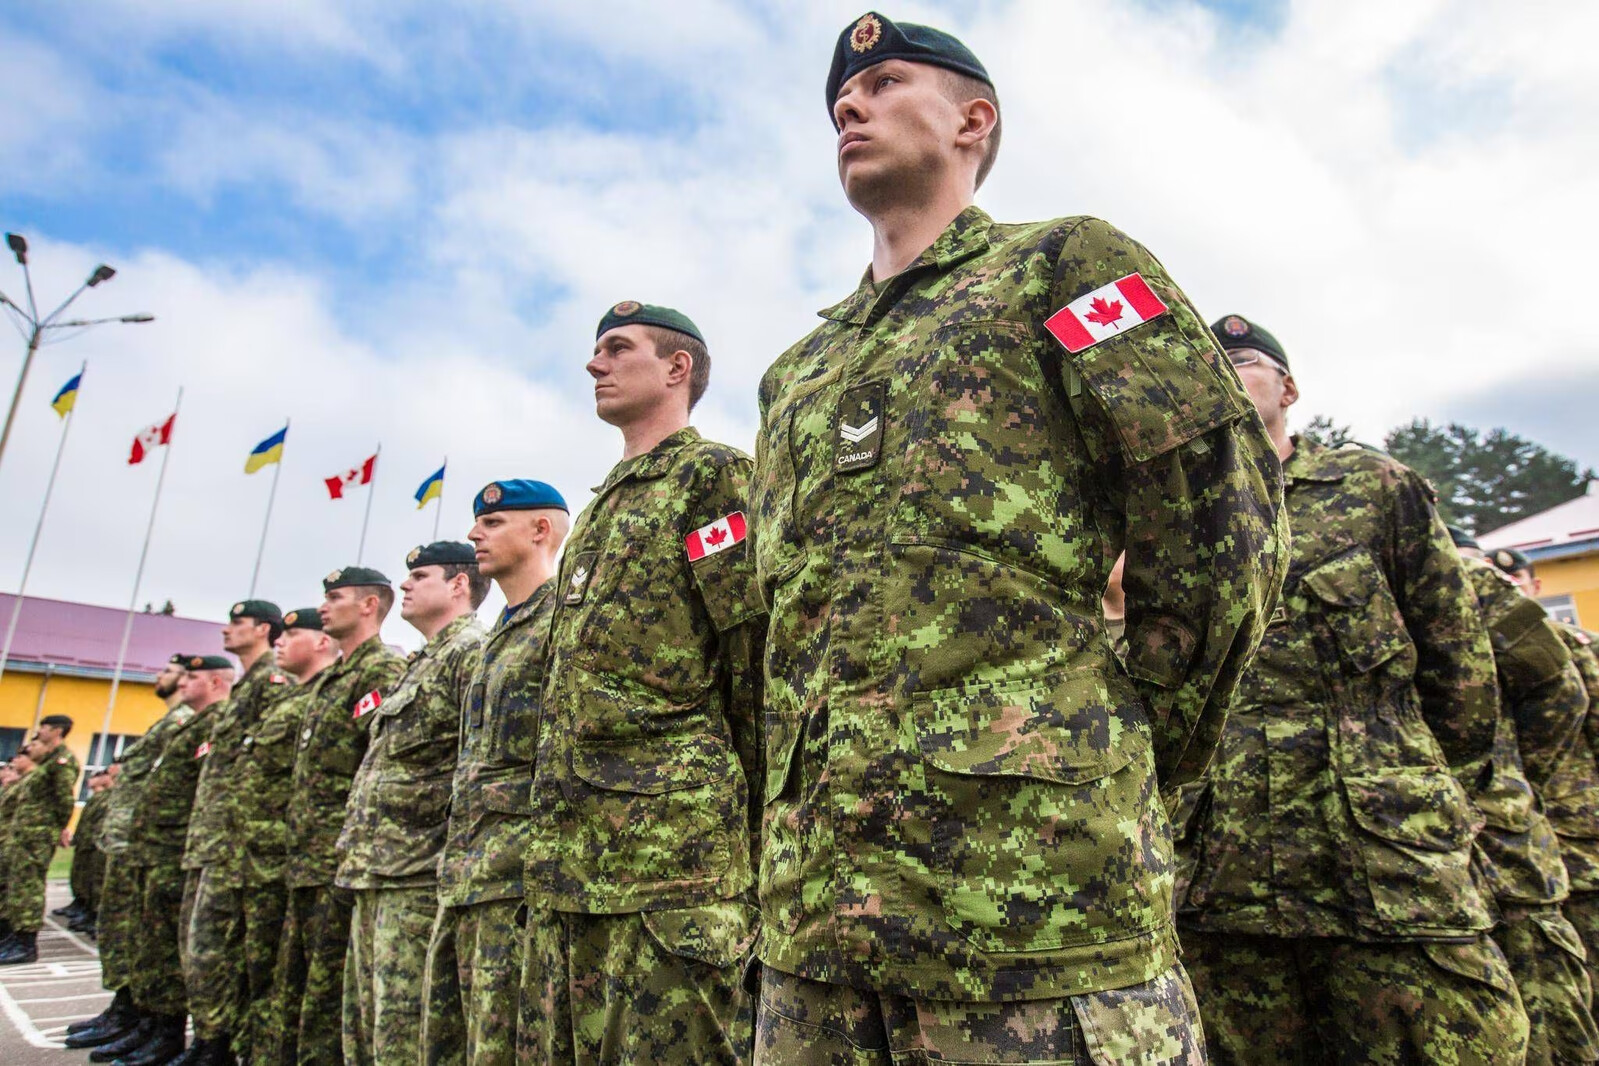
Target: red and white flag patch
[[1107, 312], [203, 750], [719, 536], [368, 703]]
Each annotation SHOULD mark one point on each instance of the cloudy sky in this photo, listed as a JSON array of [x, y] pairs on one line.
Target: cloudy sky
[[398, 222]]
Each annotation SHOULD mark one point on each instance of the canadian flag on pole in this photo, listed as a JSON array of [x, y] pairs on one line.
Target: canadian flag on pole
[[719, 536], [356, 475], [150, 439], [1104, 313]]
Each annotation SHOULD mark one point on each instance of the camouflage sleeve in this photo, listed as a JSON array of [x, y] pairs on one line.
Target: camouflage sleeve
[[1538, 682], [63, 786], [1454, 659], [1189, 466], [469, 658]]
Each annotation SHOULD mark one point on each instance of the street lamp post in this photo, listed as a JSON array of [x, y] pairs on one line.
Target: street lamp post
[[36, 326]]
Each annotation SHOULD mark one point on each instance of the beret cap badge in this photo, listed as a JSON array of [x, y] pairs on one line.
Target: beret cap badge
[[334, 576], [416, 553], [867, 32], [291, 617], [627, 307], [1234, 326], [196, 662], [238, 608], [493, 494]]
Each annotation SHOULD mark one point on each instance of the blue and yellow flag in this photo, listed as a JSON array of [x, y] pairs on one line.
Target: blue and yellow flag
[[267, 452], [68, 396], [431, 489]]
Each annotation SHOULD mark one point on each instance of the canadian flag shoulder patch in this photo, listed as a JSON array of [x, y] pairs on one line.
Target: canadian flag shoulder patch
[[368, 703], [719, 536], [1108, 311], [203, 750]]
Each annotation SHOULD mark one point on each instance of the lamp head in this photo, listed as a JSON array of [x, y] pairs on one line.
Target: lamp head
[[19, 247], [101, 273]]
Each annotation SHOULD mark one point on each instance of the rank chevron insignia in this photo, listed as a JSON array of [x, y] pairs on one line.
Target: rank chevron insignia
[[856, 434]]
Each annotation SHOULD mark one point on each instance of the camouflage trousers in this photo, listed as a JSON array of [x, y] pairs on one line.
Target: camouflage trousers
[[157, 983], [310, 977], [1582, 911], [213, 964], [118, 927], [264, 904], [1295, 1002], [24, 865], [1549, 964], [474, 968], [87, 875], [801, 1022], [384, 972], [635, 989]]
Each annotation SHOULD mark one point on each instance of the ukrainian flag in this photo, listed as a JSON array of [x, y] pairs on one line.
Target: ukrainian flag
[[267, 452], [431, 489], [68, 396]]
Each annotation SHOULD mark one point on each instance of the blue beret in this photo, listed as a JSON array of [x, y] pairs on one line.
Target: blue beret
[[517, 494], [442, 553], [873, 38], [633, 313]]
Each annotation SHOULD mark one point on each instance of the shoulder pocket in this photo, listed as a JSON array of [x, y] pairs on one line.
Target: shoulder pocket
[[1359, 608], [1526, 646]]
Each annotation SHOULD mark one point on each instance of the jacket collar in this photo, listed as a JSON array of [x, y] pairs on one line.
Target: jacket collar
[[1313, 462], [965, 237], [652, 464]]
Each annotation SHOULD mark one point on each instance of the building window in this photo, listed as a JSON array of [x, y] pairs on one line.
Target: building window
[[1560, 608], [106, 749], [11, 742]]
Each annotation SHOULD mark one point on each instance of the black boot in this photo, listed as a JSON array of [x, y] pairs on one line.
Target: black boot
[[121, 1004], [217, 1052], [128, 1041], [62, 912], [164, 1045], [23, 948]]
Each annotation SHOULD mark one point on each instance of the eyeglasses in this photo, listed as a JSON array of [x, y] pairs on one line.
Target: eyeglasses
[[1251, 356]]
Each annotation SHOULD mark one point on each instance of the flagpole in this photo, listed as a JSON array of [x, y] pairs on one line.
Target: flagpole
[[38, 527], [371, 490], [440, 502], [138, 580], [271, 496]]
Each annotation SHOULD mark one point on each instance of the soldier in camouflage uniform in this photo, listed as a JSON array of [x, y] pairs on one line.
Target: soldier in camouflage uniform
[[38, 819], [118, 927], [474, 960], [260, 807], [1542, 708], [394, 823], [213, 901], [160, 829], [316, 927], [640, 872], [88, 861], [19, 767], [964, 848], [1327, 902]]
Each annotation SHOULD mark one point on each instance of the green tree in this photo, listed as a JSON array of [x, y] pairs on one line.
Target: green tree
[[1486, 480], [1324, 431]]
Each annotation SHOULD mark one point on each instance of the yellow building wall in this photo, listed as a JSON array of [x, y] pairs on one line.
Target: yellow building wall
[[1577, 577], [83, 699]]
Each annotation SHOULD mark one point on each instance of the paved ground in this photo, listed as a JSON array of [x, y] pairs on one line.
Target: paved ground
[[38, 1001]]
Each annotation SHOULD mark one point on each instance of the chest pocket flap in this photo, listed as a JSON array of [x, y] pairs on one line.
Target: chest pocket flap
[[1360, 609]]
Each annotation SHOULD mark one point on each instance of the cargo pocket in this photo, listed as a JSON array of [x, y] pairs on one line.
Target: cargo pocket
[[1040, 801], [1360, 609], [717, 934], [1415, 847], [1477, 960], [660, 806], [508, 791], [1152, 1024], [1187, 810]]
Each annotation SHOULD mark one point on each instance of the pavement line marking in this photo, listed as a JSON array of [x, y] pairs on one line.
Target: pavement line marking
[[23, 1023], [69, 935], [58, 999]]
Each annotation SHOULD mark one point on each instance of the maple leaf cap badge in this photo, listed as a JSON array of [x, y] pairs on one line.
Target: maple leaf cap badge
[[410, 560], [867, 32], [334, 576]]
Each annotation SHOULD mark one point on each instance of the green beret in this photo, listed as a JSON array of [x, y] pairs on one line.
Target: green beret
[[517, 494], [257, 610], [872, 38], [442, 553], [1510, 560], [1236, 331], [633, 313], [209, 662], [1463, 539], [354, 577], [303, 618]]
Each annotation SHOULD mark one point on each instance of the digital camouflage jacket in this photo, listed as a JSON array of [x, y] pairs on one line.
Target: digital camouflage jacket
[[213, 830], [394, 823], [649, 749], [161, 821], [1541, 707], [86, 834], [1338, 803], [333, 738], [1571, 799], [266, 781], [960, 791], [486, 838], [45, 799], [116, 836]]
